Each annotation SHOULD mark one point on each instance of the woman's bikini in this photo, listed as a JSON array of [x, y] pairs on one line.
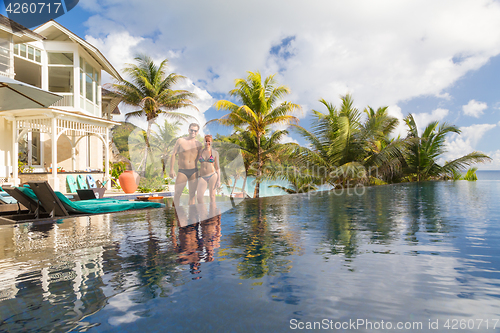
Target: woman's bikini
[[211, 159]]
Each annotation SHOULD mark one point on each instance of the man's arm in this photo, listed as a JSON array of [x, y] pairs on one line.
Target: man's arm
[[172, 159]]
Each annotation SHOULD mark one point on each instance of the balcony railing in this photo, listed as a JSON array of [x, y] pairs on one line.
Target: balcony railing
[[67, 100]]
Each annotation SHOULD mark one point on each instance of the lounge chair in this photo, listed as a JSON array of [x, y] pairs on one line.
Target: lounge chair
[[94, 191], [100, 184], [91, 181], [24, 197], [82, 183], [58, 205], [6, 198], [71, 183], [34, 210], [91, 193]]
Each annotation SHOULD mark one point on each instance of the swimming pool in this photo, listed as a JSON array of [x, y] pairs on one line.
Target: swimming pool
[[407, 254]]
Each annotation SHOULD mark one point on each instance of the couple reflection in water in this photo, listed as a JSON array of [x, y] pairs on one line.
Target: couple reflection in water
[[198, 235]]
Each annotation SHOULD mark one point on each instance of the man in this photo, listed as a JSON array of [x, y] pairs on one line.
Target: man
[[188, 149]]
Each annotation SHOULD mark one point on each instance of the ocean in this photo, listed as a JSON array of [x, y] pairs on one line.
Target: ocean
[[488, 174], [266, 191]]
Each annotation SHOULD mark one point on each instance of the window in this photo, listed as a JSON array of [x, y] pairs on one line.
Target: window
[[60, 58], [60, 72], [30, 149], [61, 79], [89, 85], [4, 55], [89, 71], [28, 52], [22, 50], [31, 53], [82, 78]]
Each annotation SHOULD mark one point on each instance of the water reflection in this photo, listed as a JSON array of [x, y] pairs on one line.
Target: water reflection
[[262, 240], [55, 274], [196, 241], [51, 273], [392, 251]]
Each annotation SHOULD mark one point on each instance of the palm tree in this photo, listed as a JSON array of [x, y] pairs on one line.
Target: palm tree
[[261, 107], [343, 149], [272, 153], [246, 144], [150, 89], [424, 151], [163, 139]]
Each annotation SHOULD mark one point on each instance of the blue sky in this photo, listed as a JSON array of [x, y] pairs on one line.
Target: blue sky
[[437, 60]]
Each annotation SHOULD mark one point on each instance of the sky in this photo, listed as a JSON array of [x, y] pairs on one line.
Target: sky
[[438, 60]]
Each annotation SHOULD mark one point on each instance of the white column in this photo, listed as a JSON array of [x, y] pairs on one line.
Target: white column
[[73, 158], [15, 153], [73, 151], [106, 160], [55, 180]]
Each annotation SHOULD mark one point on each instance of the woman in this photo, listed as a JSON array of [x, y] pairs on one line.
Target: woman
[[209, 173]]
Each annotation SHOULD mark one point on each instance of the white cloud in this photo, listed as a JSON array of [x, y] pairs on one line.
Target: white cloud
[[424, 119], [202, 103], [474, 108], [288, 139], [494, 164], [383, 52], [458, 145], [401, 129], [120, 49]]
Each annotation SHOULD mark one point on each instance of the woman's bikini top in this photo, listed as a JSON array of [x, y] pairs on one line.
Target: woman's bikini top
[[211, 159]]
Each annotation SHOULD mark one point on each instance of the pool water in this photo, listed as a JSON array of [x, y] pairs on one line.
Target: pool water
[[404, 254]]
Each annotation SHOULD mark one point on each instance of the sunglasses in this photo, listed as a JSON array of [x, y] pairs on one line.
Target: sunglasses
[[193, 131]]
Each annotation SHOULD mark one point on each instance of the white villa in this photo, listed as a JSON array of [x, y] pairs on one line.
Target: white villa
[[52, 58]]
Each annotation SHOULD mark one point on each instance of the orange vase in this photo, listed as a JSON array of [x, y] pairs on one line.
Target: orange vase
[[129, 181]]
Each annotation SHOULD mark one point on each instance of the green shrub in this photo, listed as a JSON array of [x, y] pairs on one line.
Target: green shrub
[[471, 175], [154, 184], [116, 170]]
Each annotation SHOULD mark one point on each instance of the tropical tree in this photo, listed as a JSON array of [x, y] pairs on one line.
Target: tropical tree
[[261, 107], [343, 149], [151, 89], [163, 140], [273, 153], [423, 152]]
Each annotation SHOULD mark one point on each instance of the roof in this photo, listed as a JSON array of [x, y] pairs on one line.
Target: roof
[[107, 93], [114, 99], [20, 32], [48, 112], [47, 29]]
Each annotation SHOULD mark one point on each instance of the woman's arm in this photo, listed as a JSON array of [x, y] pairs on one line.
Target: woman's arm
[[217, 169]]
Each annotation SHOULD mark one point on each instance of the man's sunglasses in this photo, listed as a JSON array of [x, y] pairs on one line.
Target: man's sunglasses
[[192, 130]]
